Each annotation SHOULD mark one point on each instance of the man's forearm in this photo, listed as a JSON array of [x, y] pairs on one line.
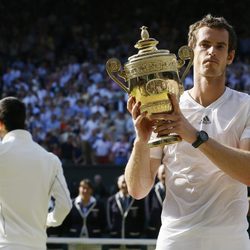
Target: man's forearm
[[138, 174], [234, 162]]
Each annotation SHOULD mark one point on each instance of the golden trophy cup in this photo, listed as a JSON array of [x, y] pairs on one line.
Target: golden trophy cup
[[150, 76]]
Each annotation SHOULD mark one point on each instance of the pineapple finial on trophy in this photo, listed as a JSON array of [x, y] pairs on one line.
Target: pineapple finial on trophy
[[146, 44], [144, 33]]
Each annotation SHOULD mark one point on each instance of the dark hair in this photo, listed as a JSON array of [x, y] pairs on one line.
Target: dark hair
[[215, 23], [87, 182], [12, 113]]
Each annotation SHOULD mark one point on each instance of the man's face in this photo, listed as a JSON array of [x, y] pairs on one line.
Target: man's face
[[84, 190], [122, 185], [211, 54], [161, 174]]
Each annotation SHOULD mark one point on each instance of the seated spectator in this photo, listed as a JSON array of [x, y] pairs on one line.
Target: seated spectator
[[67, 150], [78, 155], [120, 151], [102, 149]]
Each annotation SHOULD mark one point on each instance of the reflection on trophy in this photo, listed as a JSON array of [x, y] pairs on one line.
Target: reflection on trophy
[[150, 76]]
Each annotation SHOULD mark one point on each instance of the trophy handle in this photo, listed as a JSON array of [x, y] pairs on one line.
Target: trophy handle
[[113, 65], [185, 53]]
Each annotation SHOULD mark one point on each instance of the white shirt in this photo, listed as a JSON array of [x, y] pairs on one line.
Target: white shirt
[[29, 176], [101, 147], [201, 200]]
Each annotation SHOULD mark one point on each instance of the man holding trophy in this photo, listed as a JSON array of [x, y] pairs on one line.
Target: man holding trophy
[[206, 159]]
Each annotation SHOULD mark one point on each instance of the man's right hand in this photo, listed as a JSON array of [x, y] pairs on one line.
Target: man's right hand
[[143, 126]]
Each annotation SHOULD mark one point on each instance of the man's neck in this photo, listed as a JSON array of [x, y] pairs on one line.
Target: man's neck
[[207, 90], [3, 130], [123, 192], [85, 200]]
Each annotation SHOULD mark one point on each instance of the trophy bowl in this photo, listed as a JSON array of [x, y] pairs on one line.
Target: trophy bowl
[[150, 76]]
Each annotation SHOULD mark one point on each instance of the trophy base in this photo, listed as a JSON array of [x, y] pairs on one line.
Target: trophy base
[[166, 140]]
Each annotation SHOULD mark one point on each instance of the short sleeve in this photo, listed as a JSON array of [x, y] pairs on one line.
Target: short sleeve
[[246, 132], [155, 152]]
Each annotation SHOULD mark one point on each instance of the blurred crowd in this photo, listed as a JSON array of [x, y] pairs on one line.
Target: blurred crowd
[[55, 62], [78, 113], [53, 55], [74, 111]]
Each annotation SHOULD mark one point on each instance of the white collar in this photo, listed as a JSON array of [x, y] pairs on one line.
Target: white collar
[[20, 133], [79, 200]]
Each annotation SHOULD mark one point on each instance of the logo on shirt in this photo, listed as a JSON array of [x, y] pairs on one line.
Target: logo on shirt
[[205, 120]]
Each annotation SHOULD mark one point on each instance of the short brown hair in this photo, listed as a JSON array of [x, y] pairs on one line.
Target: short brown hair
[[212, 22]]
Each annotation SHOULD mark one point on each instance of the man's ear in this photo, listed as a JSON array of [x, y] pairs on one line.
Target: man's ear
[[230, 57], [2, 126]]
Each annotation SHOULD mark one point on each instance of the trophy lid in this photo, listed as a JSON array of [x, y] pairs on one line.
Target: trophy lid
[[147, 47]]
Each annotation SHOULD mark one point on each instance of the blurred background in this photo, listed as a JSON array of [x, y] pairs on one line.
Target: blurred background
[[53, 55]]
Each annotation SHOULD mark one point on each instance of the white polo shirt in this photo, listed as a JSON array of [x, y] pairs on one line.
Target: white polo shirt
[[202, 203]]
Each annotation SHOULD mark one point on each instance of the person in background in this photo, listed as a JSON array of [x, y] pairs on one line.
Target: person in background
[[102, 149], [120, 150], [208, 172], [87, 218], [125, 215], [154, 202], [29, 177], [100, 190], [67, 150]]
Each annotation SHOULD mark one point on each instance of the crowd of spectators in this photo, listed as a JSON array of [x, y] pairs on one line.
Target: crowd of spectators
[[78, 113], [56, 65]]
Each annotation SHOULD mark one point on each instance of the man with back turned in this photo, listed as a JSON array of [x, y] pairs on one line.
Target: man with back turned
[[29, 176]]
